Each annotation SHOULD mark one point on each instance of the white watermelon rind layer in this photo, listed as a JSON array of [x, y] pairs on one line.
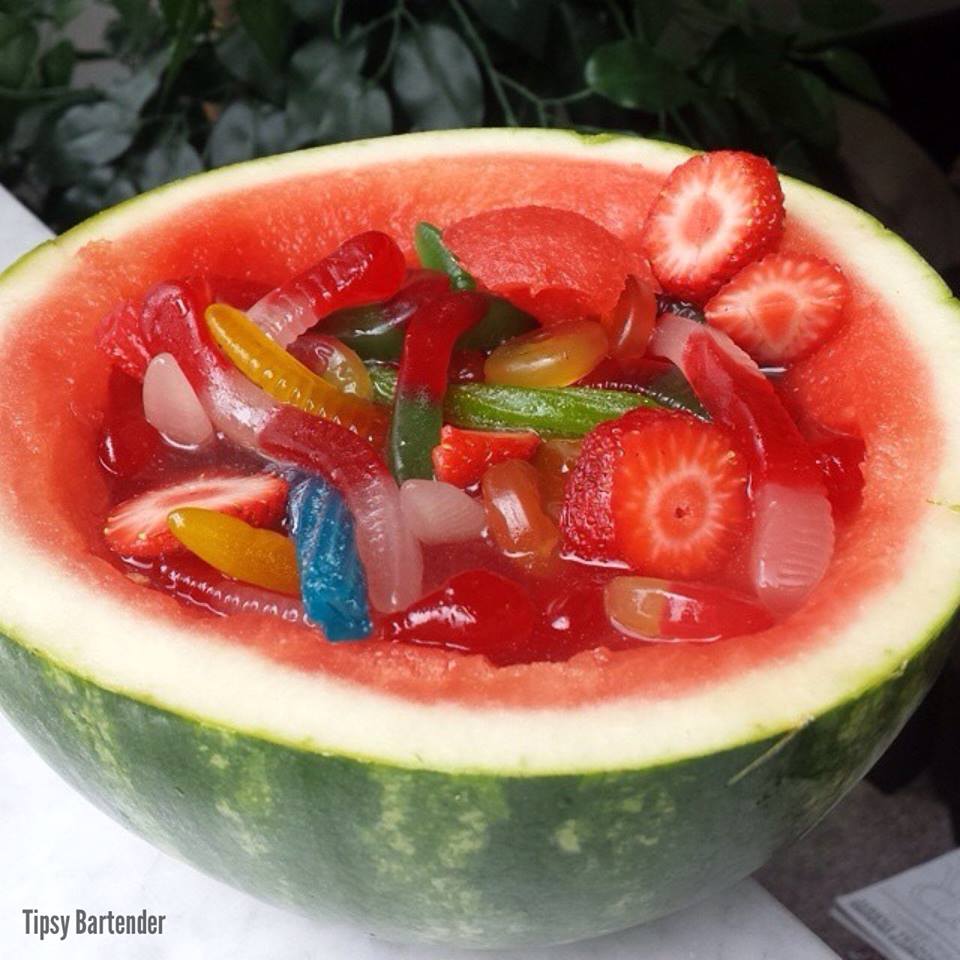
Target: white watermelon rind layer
[[89, 635]]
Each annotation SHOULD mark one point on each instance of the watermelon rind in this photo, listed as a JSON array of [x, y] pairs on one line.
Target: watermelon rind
[[448, 822]]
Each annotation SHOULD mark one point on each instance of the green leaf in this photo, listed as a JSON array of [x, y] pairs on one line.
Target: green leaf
[[184, 18], [789, 102], [653, 16], [101, 187], [329, 100], [685, 40], [816, 119], [794, 160], [583, 31], [171, 157], [436, 79], [30, 124], [841, 15], [434, 254], [854, 72], [358, 109], [244, 60], [321, 63], [268, 23], [718, 122], [133, 88], [89, 135], [780, 100], [61, 12], [313, 10], [176, 11], [56, 65], [136, 28], [244, 131], [522, 22], [633, 75], [18, 47]]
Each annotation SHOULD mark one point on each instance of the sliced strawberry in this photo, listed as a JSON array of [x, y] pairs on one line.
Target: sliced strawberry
[[679, 499], [633, 471], [462, 456], [138, 527], [586, 520], [714, 214], [555, 264], [781, 307], [118, 336]]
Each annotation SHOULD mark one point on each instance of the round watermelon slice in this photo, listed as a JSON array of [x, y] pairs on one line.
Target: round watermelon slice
[[424, 794]]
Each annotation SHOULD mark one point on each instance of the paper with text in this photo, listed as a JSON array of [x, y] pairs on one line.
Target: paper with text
[[911, 916]]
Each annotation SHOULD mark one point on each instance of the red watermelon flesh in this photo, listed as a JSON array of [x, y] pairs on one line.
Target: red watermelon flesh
[[55, 384], [555, 264]]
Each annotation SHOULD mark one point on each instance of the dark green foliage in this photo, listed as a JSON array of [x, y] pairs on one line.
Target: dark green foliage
[[189, 84]]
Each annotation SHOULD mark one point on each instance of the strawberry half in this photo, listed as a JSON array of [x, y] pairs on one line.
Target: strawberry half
[[679, 498], [586, 518], [462, 456], [138, 527], [781, 307], [714, 214]]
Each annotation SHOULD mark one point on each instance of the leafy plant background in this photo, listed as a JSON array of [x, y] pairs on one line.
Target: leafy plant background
[[200, 83]]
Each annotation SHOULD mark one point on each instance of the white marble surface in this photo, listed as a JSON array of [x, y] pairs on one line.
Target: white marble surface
[[58, 853], [19, 230]]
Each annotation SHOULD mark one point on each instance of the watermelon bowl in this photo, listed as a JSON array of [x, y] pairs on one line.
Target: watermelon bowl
[[429, 796]]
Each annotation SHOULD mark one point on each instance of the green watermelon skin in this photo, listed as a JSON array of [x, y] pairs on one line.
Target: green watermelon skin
[[479, 860]]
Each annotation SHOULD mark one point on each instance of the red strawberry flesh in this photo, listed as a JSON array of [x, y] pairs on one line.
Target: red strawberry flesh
[[793, 531], [462, 456], [679, 499], [781, 307], [714, 214], [586, 519], [138, 527]]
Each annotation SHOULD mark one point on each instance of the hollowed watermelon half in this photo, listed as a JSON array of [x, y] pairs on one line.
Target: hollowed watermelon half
[[424, 794]]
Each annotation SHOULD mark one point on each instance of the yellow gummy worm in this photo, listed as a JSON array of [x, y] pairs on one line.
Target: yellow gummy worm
[[278, 373], [261, 557]]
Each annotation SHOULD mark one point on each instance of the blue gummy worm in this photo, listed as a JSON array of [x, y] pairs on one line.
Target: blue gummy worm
[[332, 581]]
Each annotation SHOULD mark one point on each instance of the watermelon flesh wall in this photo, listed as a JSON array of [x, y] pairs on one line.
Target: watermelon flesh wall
[[430, 795]]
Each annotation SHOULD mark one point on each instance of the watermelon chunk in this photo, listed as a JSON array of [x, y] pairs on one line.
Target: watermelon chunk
[[555, 264]]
